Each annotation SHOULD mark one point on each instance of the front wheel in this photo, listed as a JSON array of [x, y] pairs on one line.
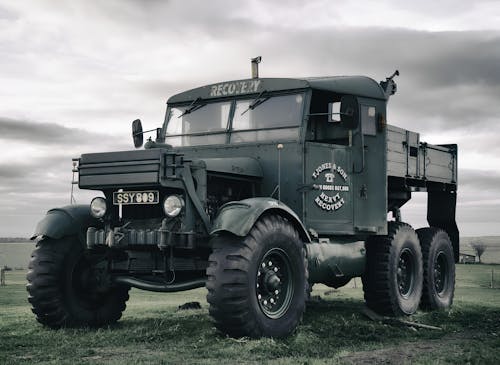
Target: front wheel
[[257, 285], [64, 290]]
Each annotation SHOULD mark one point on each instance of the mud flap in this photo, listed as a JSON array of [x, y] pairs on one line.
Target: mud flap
[[441, 207]]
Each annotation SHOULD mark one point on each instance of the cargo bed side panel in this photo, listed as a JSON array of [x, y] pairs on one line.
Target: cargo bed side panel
[[407, 157]]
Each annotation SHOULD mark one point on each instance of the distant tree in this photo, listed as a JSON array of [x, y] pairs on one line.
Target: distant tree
[[479, 247]]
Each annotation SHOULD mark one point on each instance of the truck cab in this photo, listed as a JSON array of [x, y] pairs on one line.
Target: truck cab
[[296, 114]]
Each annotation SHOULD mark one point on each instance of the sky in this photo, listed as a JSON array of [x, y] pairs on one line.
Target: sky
[[74, 74]]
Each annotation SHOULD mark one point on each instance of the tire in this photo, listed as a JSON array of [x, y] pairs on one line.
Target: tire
[[392, 282], [337, 282], [61, 293], [439, 269], [257, 285], [309, 292]]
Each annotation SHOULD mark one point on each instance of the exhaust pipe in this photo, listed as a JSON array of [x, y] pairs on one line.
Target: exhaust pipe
[[157, 287], [255, 67]]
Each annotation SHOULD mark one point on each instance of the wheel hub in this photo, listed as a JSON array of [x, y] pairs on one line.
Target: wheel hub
[[440, 272], [405, 273], [274, 283]]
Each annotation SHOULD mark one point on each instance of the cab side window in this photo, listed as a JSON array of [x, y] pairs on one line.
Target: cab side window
[[368, 125], [324, 126]]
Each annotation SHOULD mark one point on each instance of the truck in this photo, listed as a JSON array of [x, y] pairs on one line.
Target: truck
[[255, 189]]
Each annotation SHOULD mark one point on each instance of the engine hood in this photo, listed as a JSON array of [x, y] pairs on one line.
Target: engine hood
[[246, 166], [150, 167]]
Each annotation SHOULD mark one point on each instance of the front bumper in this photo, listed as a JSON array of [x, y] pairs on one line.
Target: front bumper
[[124, 237]]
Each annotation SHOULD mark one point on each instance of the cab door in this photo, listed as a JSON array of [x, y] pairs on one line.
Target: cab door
[[328, 205], [369, 154], [345, 168]]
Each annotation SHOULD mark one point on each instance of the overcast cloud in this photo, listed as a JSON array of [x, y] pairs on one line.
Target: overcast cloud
[[74, 74]]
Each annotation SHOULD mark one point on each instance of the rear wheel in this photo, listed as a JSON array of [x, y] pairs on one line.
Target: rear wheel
[[392, 281], [64, 288], [439, 269], [257, 285]]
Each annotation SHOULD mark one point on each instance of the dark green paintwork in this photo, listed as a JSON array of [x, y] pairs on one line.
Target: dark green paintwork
[[350, 85], [124, 168], [335, 260], [194, 199], [364, 159], [244, 166], [341, 220], [239, 217], [71, 220], [266, 155], [378, 168]]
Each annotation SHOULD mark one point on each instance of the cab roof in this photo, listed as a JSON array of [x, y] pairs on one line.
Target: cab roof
[[352, 85]]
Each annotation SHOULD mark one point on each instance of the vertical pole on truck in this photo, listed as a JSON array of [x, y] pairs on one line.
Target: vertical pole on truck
[[72, 199], [280, 147]]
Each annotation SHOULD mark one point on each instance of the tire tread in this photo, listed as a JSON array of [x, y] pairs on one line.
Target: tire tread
[[228, 294], [376, 280], [46, 289]]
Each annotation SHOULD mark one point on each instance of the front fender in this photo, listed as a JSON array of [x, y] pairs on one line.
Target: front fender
[[71, 220], [239, 217]]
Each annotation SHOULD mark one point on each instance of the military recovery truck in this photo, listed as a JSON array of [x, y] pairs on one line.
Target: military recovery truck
[[255, 189]]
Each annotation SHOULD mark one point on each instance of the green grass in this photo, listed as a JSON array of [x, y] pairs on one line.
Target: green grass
[[153, 331], [15, 255]]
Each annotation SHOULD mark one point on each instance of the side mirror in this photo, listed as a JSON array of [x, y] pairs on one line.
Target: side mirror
[[137, 133], [349, 112], [334, 112]]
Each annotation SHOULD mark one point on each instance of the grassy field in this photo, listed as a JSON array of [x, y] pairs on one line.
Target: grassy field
[[333, 331], [492, 243], [15, 255]]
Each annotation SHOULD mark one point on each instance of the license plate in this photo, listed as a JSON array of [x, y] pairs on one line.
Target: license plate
[[136, 197]]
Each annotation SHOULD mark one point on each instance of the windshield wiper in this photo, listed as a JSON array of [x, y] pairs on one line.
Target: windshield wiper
[[195, 105], [258, 100]]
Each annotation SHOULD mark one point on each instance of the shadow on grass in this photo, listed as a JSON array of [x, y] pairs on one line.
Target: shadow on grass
[[339, 322], [330, 329]]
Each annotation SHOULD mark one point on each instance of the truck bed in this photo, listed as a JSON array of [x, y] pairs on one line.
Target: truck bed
[[409, 158]]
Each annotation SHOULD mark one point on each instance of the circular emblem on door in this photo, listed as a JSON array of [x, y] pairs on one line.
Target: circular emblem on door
[[332, 185]]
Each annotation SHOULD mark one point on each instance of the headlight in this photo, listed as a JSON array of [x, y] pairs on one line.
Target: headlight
[[173, 205], [98, 207]]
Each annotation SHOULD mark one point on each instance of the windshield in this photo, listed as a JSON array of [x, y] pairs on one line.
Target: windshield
[[274, 118]]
